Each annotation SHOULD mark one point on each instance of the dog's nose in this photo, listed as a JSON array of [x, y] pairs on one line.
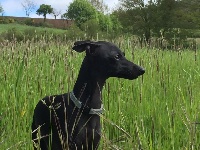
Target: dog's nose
[[142, 71]]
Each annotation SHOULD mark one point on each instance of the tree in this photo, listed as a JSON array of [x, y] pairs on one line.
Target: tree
[[80, 11], [161, 19], [189, 20], [56, 12], [105, 22], [116, 27], [138, 17], [89, 19], [99, 5], [28, 6], [132, 4], [44, 10], [91, 27], [1, 10]]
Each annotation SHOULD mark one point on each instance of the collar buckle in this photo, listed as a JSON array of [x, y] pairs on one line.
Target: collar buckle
[[78, 104]]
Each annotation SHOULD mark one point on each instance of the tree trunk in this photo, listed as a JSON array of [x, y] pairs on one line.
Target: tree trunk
[[147, 35], [45, 18]]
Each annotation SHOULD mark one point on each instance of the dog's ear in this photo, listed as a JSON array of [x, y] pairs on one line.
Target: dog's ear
[[88, 46]]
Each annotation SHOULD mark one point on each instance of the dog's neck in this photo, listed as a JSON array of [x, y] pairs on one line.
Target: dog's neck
[[88, 86]]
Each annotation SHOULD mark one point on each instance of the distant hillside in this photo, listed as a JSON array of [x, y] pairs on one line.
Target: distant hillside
[[55, 23]]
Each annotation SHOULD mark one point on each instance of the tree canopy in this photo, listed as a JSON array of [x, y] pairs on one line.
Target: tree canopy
[[80, 11], [158, 18], [85, 14], [99, 5], [44, 10]]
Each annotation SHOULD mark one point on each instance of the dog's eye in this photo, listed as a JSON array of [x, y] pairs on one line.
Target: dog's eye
[[117, 57]]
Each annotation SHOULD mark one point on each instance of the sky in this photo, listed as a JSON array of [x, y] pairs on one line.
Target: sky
[[15, 8]]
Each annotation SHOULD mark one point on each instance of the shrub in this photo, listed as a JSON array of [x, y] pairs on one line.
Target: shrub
[[4, 20], [12, 34], [91, 28], [177, 38], [41, 24], [11, 20], [29, 22], [73, 32]]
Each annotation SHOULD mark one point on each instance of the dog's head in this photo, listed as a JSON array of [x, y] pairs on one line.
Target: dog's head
[[107, 59]]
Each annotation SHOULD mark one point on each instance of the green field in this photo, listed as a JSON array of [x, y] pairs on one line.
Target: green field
[[22, 28], [160, 110]]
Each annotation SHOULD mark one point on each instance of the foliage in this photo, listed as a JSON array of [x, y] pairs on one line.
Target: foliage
[[80, 11], [157, 18], [6, 20], [116, 25], [44, 10], [29, 21], [12, 35], [99, 5], [140, 17], [90, 19], [175, 38], [105, 22], [187, 14], [43, 24], [74, 32]]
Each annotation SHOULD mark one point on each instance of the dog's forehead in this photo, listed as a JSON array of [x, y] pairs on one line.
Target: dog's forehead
[[109, 47]]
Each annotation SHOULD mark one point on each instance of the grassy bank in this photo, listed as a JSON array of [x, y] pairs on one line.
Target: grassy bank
[[22, 28], [160, 110]]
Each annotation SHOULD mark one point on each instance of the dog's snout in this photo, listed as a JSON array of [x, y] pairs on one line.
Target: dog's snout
[[142, 70]]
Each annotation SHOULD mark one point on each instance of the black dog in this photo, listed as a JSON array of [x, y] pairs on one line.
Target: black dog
[[71, 120]]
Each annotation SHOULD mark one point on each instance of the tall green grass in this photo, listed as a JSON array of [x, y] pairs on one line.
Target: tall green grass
[[160, 110]]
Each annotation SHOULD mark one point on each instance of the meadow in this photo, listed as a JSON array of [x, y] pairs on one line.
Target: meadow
[[22, 28], [160, 110]]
